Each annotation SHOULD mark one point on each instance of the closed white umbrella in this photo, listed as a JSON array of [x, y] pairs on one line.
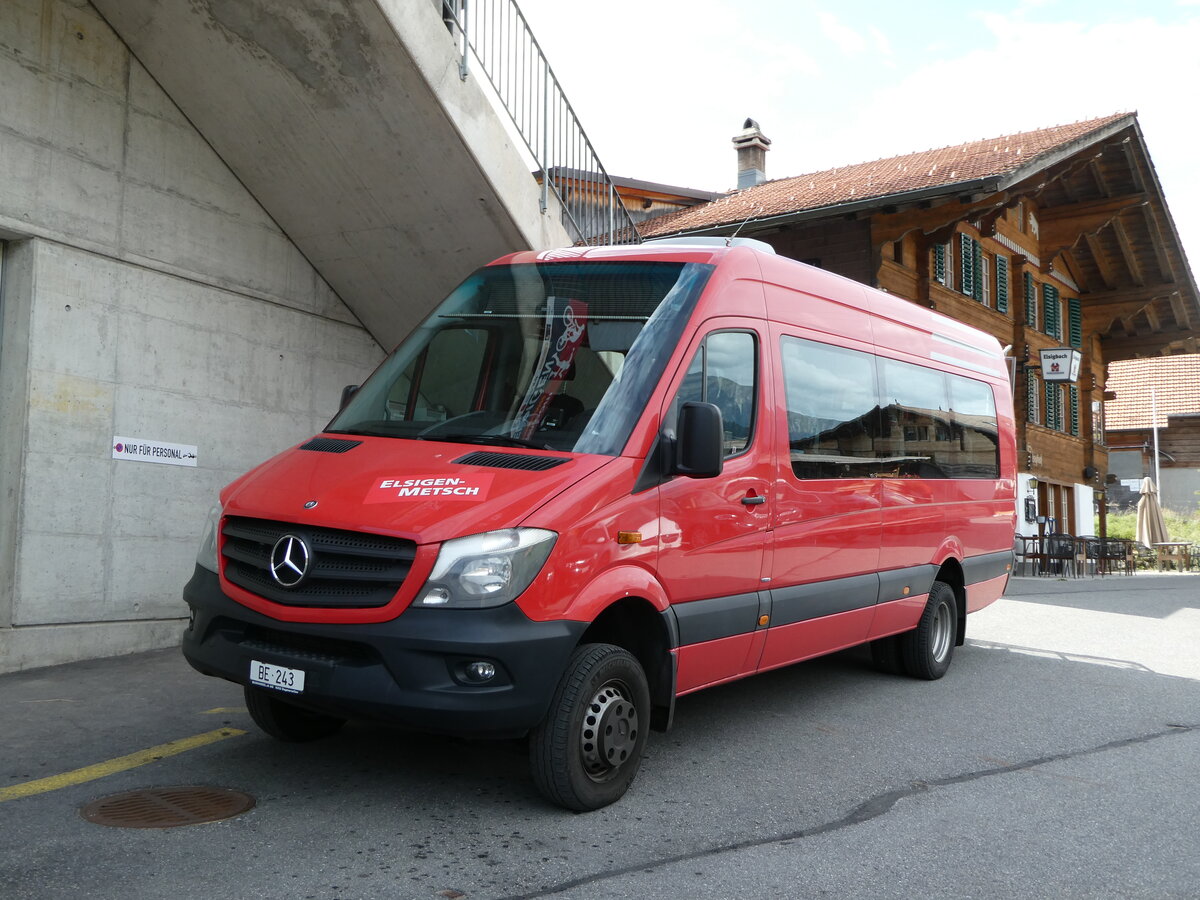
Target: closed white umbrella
[[1151, 527]]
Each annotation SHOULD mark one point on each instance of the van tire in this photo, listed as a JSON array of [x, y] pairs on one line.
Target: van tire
[[926, 651], [587, 750], [285, 722]]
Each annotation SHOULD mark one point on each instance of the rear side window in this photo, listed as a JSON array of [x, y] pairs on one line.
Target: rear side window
[[855, 415]]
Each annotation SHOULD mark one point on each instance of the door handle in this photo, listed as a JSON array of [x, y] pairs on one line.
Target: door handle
[[754, 501]]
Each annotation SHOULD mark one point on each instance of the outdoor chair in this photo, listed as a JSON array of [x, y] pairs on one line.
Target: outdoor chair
[[1028, 552], [1087, 553], [1060, 554], [1116, 555]]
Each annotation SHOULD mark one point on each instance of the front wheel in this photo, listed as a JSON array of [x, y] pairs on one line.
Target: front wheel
[[285, 722], [587, 750], [926, 650]]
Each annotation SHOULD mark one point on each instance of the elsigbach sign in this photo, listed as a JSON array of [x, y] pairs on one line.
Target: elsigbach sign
[[1060, 364]]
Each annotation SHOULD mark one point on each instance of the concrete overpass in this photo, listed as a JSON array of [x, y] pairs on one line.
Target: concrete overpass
[[349, 123], [213, 215]]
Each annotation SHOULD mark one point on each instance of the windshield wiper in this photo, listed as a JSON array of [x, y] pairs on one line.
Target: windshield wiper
[[502, 440]]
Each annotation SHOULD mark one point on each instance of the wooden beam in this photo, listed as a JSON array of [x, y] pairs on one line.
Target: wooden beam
[[1098, 177], [1152, 317], [1131, 260], [1101, 260], [1060, 227], [1181, 311], [936, 220], [1120, 347], [1144, 292], [1104, 208], [1160, 248], [1134, 169]]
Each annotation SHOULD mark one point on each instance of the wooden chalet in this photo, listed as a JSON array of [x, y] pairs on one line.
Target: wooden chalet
[[1055, 238]]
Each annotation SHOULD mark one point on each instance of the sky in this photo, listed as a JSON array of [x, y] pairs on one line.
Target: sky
[[661, 86]]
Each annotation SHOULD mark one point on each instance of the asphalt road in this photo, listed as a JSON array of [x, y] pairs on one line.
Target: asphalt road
[[1058, 758]]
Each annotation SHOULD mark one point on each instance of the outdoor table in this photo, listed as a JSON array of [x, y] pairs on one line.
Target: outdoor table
[[1177, 553]]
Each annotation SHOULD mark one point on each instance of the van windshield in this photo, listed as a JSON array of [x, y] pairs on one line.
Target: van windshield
[[559, 356]]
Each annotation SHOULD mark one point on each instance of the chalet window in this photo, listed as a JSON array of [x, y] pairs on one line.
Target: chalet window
[[1031, 307], [1098, 423], [985, 281], [1001, 284], [1074, 322], [1051, 312]]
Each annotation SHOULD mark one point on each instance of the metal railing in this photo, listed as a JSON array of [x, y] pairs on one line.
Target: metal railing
[[496, 34]]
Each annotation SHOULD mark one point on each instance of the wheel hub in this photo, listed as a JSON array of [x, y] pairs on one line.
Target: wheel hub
[[609, 731]]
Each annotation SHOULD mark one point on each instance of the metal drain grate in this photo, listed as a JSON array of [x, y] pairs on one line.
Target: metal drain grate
[[167, 807]]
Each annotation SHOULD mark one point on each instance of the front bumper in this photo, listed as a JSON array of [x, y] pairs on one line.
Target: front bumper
[[410, 670]]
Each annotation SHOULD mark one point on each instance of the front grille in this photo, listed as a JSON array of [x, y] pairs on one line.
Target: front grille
[[347, 569]]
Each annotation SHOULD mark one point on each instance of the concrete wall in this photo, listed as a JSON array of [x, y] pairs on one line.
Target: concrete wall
[[145, 293]]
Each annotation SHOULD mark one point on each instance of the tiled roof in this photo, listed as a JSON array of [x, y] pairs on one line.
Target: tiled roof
[[882, 178], [1176, 383]]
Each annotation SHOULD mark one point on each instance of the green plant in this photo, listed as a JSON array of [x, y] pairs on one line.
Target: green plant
[[1180, 527]]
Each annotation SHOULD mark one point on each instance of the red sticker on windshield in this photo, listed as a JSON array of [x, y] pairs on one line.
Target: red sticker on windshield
[[430, 487]]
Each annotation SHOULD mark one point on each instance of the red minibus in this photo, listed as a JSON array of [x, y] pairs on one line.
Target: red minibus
[[596, 479]]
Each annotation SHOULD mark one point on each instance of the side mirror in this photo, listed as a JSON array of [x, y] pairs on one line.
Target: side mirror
[[347, 392], [699, 450]]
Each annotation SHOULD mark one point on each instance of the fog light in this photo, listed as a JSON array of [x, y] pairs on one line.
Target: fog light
[[481, 671], [436, 597]]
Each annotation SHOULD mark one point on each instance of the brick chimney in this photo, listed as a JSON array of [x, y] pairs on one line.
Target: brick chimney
[[752, 146]]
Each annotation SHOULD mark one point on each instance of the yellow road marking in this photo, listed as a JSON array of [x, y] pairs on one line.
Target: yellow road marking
[[217, 710], [112, 766]]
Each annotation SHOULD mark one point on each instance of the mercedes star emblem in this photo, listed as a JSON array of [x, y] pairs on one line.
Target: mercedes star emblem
[[290, 558]]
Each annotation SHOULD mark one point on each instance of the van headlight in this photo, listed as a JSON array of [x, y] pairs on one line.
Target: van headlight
[[486, 569], [207, 557]]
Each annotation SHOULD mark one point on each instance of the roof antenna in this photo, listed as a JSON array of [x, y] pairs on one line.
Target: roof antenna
[[729, 240]]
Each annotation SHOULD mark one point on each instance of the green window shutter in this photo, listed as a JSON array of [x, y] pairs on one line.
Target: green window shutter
[[1031, 316], [1054, 410], [1002, 284], [1031, 397], [977, 268], [1074, 322], [939, 263], [1073, 399], [1051, 312], [966, 280]]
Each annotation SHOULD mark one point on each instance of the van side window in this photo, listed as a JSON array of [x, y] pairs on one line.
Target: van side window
[[724, 372], [832, 410], [919, 423], [977, 431], [943, 424], [917, 418]]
